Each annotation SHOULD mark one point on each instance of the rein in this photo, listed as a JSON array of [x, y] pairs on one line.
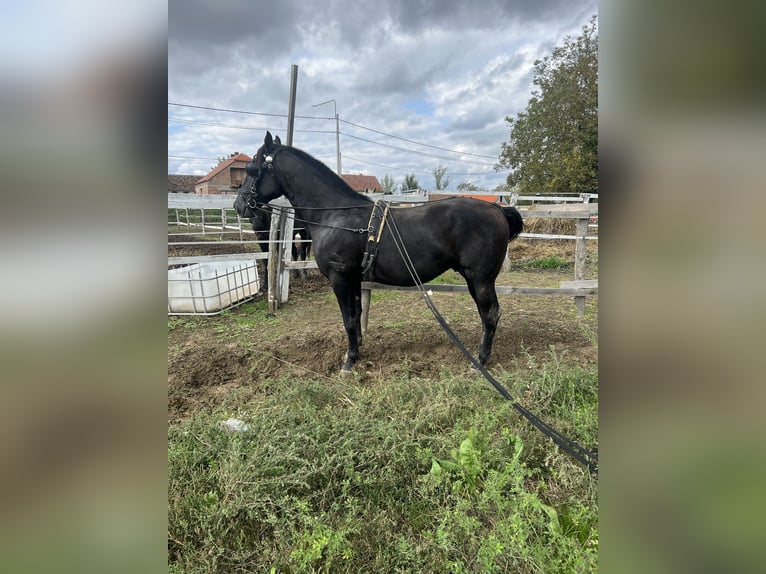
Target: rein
[[572, 448], [278, 208], [575, 450]]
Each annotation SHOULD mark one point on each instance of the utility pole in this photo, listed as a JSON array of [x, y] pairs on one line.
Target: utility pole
[[291, 104], [337, 131]]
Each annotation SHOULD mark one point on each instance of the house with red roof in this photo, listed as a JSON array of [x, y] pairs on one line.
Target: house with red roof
[[226, 178], [363, 183]]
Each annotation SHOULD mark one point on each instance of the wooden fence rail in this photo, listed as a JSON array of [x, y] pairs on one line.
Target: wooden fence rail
[[280, 262]]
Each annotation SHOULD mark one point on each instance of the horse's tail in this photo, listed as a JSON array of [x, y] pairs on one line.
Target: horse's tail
[[515, 222]]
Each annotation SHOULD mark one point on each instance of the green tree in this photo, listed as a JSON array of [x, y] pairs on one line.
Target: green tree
[[468, 186], [410, 182], [439, 179], [553, 144], [388, 184]]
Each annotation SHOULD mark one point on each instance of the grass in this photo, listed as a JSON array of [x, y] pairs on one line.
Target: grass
[[254, 314], [552, 262], [449, 277], [411, 476]]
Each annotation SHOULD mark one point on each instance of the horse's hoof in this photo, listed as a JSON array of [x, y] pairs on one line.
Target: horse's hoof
[[346, 371]]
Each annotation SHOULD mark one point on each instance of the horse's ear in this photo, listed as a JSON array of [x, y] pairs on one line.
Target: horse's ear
[[277, 140], [267, 141]]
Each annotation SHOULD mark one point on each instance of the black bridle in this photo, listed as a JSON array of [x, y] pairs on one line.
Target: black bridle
[[253, 204], [266, 165]]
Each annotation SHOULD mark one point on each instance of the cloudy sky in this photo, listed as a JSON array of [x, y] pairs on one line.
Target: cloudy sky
[[417, 84]]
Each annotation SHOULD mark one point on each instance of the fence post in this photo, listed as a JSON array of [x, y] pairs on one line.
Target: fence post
[[366, 293], [285, 253], [274, 258], [507, 261], [580, 260]]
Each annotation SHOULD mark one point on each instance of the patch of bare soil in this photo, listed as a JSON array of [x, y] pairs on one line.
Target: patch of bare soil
[[245, 350]]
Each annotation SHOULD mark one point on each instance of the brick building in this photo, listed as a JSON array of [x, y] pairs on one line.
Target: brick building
[[226, 177], [363, 183]]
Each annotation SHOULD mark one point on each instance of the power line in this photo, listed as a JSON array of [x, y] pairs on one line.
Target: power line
[[210, 108], [349, 135], [217, 124], [386, 166], [416, 142], [402, 169], [414, 151]]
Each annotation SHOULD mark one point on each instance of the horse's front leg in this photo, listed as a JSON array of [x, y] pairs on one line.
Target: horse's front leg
[[348, 292]]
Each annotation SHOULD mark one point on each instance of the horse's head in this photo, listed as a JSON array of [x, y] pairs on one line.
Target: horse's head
[[261, 217], [260, 185]]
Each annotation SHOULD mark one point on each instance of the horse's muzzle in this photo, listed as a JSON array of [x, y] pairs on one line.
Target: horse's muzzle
[[242, 207]]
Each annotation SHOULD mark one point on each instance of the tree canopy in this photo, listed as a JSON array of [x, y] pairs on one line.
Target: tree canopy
[[410, 182], [468, 186], [388, 184], [440, 179], [553, 143]]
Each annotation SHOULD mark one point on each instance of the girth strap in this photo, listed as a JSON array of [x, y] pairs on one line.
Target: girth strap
[[374, 233]]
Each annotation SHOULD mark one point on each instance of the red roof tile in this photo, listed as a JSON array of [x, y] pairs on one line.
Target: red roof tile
[[223, 165], [359, 182]]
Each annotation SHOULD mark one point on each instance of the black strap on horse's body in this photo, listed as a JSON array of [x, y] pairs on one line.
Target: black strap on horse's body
[[373, 239]]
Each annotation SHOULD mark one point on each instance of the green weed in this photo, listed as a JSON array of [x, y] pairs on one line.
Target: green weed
[[184, 322], [551, 262], [412, 476]]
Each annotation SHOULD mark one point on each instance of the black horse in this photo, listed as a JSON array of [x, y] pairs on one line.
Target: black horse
[[260, 219], [467, 235]]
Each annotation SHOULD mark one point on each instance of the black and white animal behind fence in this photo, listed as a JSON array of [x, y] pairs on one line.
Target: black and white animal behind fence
[[301, 238]]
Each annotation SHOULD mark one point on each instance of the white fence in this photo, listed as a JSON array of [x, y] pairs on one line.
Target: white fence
[[223, 221]]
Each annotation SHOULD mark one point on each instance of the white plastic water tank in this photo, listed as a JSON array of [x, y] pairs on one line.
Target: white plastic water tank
[[209, 288]]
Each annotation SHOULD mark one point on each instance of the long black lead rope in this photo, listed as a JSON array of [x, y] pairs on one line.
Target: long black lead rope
[[574, 449], [279, 209]]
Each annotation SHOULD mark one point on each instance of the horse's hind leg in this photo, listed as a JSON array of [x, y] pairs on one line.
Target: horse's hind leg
[[348, 293], [485, 297]]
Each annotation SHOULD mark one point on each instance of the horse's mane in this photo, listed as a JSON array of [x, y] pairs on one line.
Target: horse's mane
[[331, 178]]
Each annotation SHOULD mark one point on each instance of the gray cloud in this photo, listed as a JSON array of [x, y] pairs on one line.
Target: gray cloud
[[469, 64]]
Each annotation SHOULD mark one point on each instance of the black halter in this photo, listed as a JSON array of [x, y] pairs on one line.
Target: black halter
[[267, 164]]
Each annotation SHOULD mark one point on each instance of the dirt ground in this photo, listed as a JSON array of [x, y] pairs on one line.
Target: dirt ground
[[242, 350]]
